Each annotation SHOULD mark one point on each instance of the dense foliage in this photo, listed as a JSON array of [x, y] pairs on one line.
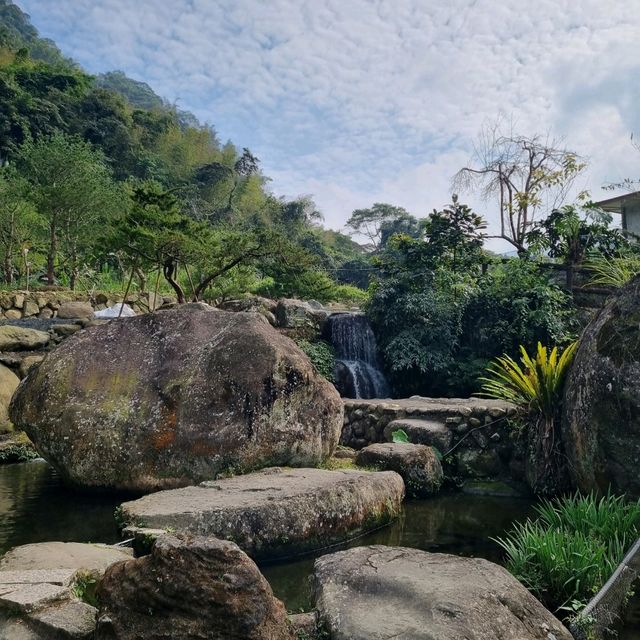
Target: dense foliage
[[566, 554], [100, 178], [442, 308]]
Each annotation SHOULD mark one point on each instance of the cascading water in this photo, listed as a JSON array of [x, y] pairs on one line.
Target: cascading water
[[357, 373]]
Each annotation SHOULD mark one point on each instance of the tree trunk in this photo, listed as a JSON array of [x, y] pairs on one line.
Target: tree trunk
[[8, 269], [142, 279], [169, 270], [53, 250]]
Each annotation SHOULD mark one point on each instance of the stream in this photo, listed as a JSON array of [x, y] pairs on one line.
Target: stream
[[36, 507]]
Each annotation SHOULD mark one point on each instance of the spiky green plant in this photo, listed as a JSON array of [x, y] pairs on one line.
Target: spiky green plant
[[536, 386], [613, 272]]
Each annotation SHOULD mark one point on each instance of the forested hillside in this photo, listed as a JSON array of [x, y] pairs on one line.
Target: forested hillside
[[102, 178]]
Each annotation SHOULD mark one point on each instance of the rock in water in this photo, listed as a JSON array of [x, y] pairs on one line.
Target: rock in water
[[176, 397], [377, 593], [416, 463], [275, 512], [196, 588], [601, 410]]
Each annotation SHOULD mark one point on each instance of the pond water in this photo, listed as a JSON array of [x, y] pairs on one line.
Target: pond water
[[36, 507]]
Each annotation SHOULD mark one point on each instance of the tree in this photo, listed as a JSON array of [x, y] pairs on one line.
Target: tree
[[454, 236], [71, 187], [380, 222], [524, 173], [571, 233], [20, 223]]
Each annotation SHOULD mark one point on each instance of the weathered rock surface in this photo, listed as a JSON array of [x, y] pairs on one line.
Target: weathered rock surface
[[73, 309], [276, 512], [429, 432], [13, 338], [176, 397], [62, 555], [417, 464], [196, 588], [601, 410], [294, 314], [378, 593], [9, 382], [38, 595]]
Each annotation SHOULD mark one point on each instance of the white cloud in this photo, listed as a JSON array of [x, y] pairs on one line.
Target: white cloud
[[358, 101]]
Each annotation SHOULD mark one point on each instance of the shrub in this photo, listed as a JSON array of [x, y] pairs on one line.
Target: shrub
[[321, 354], [537, 387], [571, 548], [613, 272]]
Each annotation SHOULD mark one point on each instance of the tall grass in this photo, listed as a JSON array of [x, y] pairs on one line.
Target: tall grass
[[570, 549]]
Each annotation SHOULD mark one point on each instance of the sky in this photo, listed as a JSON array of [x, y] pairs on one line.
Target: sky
[[363, 101]]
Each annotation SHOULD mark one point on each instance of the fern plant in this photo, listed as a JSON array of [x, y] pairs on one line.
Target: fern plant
[[536, 386]]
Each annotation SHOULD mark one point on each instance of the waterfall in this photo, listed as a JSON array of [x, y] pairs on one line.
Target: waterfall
[[357, 372]]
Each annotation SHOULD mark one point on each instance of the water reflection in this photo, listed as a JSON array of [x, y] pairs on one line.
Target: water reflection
[[36, 507], [455, 523]]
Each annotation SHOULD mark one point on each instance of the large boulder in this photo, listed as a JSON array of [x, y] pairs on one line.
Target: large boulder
[[9, 382], [275, 512], [176, 397], [417, 464], [378, 592], [601, 410], [195, 588]]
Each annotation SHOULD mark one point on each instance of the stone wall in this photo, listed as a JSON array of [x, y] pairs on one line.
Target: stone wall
[[45, 304], [476, 437]]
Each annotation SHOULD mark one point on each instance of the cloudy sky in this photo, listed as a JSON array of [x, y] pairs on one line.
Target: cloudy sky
[[357, 101]]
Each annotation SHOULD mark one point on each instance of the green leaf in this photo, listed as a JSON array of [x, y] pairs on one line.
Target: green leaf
[[400, 437]]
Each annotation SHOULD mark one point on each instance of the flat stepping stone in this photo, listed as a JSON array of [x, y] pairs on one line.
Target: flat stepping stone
[[430, 432], [68, 620], [379, 593], [275, 512], [62, 577], [62, 555], [29, 597], [416, 463]]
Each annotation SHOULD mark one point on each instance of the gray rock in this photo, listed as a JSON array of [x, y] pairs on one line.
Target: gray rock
[[77, 556], [276, 512], [295, 314], [430, 432], [176, 397], [417, 464], [475, 463], [601, 408], [28, 597], [378, 593], [72, 309], [73, 620], [13, 338], [65, 330]]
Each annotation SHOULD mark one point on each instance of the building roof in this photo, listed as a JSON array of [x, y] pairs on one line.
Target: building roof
[[614, 205]]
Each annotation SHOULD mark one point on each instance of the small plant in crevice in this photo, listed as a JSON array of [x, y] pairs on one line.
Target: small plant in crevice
[[566, 554], [536, 386], [84, 588], [399, 436]]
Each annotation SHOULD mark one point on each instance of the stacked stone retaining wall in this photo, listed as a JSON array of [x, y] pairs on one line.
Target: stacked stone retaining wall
[[478, 436]]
